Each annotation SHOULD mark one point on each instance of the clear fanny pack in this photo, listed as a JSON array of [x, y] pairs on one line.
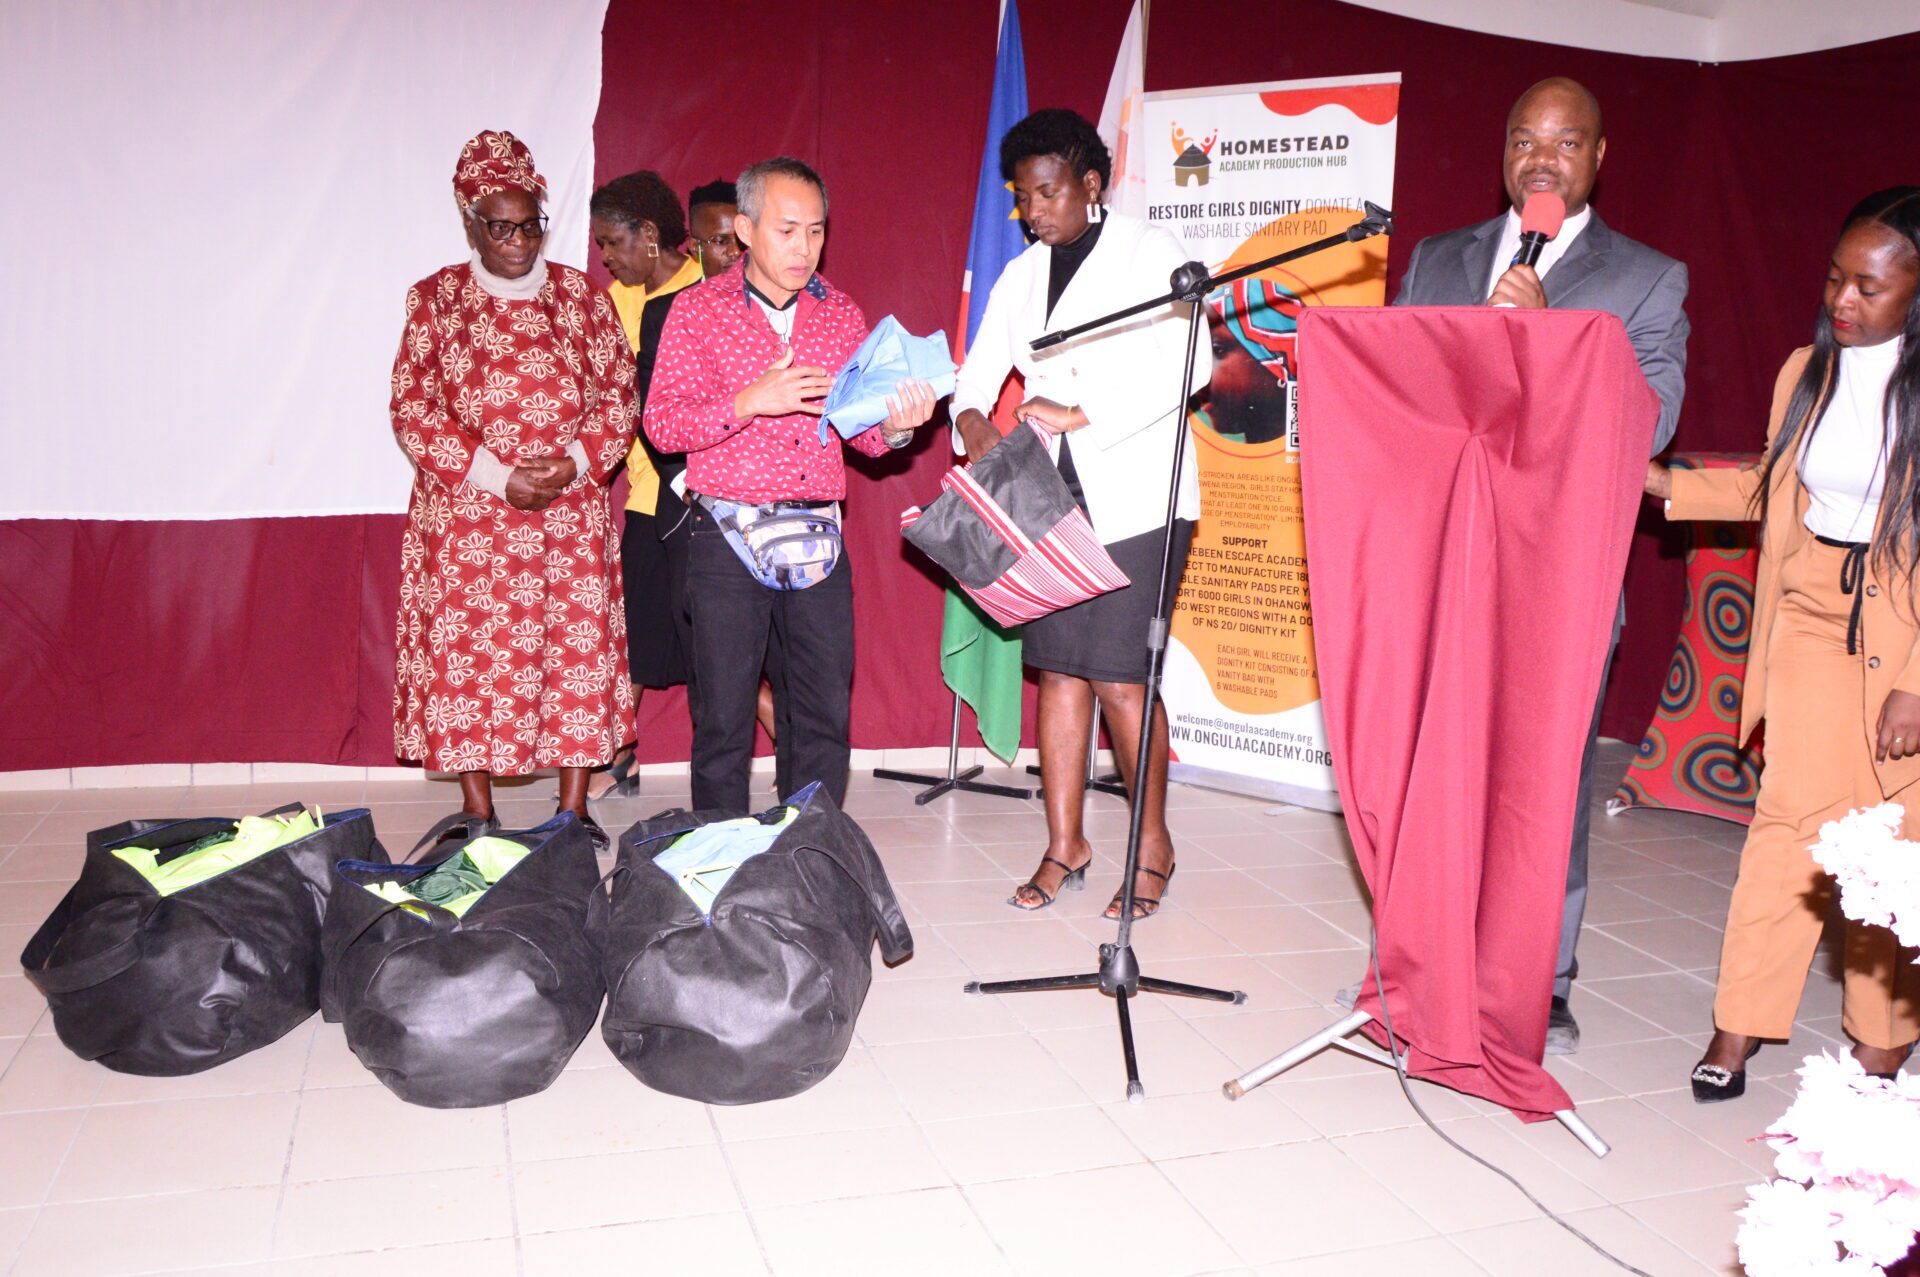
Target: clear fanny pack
[[786, 545]]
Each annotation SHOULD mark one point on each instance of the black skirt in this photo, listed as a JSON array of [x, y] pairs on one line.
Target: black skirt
[[654, 572], [1105, 638]]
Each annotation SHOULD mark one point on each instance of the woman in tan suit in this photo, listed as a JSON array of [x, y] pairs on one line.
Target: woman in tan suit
[[1835, 652]]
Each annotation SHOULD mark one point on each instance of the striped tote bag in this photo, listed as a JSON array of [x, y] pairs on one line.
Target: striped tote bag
[[1008, 531]]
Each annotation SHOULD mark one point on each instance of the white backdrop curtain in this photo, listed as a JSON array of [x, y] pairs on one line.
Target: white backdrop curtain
[[222, 206]]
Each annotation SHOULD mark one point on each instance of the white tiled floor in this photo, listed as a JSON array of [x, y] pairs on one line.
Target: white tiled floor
[[961, 1135]]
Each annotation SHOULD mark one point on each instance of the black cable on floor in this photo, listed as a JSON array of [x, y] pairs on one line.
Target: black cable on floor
[[1406, 1088]]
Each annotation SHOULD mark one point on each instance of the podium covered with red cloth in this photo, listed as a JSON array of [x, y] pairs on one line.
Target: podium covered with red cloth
[[1471, 477]]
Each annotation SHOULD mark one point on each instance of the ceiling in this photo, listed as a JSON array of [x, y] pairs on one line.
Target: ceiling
[[1698, 30]]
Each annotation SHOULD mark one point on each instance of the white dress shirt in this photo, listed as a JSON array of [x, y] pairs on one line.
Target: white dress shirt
[[1556, 247], [1125, 377], [1844, 461]]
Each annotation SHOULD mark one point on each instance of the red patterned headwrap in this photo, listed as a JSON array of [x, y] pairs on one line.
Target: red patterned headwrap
[[495, 161]]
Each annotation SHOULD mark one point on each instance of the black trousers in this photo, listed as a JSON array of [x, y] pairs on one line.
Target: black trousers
[[735, 622]]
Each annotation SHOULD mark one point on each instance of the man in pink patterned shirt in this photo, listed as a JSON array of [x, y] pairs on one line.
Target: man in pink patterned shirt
[[744, 361]]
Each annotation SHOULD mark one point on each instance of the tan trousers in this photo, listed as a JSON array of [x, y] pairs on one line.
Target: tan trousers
[[1819, 765]]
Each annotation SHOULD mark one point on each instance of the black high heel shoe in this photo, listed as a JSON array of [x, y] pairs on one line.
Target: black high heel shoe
[[1714, 1085], [1892, 1075], [625, 773], [1076, 880]]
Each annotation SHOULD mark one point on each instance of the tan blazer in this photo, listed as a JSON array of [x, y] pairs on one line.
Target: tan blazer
[[1889, 633]]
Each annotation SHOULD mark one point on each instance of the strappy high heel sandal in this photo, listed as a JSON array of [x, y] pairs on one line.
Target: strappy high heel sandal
[[1143, 907], [1076, 880], [1715, 1085]]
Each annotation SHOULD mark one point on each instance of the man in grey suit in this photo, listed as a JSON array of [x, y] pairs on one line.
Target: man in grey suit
[[1555, 142]]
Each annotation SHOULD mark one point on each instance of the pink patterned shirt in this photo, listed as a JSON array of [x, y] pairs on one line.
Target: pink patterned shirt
[[716, 343]]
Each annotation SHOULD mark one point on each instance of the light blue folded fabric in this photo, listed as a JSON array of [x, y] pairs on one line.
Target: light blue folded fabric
[[889, 356], [703, 861]]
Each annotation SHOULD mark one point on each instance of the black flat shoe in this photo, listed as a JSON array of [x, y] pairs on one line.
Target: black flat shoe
[[1076, 880], [1715, 1085], [462, 826], [599, 836]]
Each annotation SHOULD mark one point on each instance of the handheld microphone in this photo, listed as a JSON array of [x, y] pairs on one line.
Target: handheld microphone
[[1540, 220]]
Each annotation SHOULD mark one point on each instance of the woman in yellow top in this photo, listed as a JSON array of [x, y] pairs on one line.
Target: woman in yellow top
[[1834, 656], [640, 231]]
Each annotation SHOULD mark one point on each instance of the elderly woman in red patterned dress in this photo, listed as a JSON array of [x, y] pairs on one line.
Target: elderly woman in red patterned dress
[[513, 394]]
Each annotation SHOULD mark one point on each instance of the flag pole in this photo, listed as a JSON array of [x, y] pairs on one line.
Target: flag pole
[[954, 777], [1009, 99]]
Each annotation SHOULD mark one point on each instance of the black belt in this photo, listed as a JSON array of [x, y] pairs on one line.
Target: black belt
[[1852, 569]]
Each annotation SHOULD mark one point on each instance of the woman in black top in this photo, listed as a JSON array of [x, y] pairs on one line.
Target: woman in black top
[[1111, 399]]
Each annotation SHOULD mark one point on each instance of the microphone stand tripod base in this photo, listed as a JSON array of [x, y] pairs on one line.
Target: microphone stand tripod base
[[955, 778], [1119, 975], [1336, 1035]]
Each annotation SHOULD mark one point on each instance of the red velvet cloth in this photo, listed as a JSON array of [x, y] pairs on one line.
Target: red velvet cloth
[[1471, 478]]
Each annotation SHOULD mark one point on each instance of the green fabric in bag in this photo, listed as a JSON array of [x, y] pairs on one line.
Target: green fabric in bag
[[455, 877], [457, 883], [252, 838]]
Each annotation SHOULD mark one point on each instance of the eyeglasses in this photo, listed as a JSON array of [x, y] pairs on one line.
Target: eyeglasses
[[533, 228], [725, 242]]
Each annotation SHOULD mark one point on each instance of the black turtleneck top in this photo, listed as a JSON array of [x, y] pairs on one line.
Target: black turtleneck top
[[1065, 261]]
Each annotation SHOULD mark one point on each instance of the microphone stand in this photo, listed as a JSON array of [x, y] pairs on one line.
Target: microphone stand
[[1119, 974]]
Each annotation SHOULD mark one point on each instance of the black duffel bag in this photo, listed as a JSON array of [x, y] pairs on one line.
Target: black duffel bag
[[481, 997], [183, 945], [743, 984]]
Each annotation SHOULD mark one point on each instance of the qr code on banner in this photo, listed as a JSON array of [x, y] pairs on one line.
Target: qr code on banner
[[1293, 416]]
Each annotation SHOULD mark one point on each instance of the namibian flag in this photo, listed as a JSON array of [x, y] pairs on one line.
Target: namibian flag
[[979, 660]]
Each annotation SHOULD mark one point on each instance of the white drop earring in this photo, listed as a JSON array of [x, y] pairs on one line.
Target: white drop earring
[[1093, 211]]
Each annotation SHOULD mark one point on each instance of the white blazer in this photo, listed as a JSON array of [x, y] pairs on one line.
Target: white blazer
[[1126, 377]]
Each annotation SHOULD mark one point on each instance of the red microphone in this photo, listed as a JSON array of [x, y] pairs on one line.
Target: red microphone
[[1540, 221]]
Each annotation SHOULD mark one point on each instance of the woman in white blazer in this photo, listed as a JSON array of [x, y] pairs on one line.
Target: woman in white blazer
[[1111, 401]]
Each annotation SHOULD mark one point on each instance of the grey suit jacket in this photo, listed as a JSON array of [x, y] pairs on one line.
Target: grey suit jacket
[[1602, 270]]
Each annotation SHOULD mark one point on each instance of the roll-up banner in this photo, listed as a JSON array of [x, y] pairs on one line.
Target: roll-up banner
[[1245, 172]]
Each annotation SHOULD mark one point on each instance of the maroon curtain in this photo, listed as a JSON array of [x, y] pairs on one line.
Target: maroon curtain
[[1470, 479], [1742, 171], [235, 640]]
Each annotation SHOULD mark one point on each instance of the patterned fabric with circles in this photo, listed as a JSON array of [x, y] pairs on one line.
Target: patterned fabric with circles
[[1688, 759]]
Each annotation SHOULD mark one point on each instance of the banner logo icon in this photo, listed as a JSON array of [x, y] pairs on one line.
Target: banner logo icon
[[1195, 162]]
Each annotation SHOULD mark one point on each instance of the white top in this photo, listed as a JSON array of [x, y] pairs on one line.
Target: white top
[[1556, 247], [780, 318], [1125, 377], [1844, 461]]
